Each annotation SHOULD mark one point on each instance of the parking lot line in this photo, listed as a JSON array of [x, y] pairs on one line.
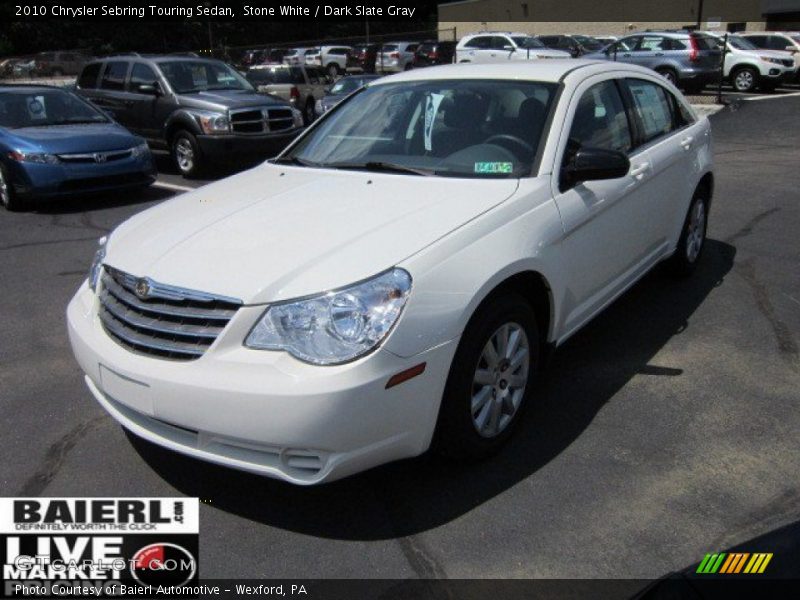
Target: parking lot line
[[772, 97], [173, 186]]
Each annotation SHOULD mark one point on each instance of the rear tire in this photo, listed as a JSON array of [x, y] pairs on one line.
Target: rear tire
[[333, 70], [693, 238], [309, 113], [668, 74], [8, 197], [186, 154], [490, 380]]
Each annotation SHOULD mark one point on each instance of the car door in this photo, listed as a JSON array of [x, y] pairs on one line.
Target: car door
[[606, 223], [111, 95], [146, 118], [649, 51], [669, 137], [623, 50]]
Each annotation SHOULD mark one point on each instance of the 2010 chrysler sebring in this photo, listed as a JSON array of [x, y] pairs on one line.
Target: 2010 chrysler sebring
[[397, 276]]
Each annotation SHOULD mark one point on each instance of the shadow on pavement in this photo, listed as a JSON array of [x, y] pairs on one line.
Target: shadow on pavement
[[99, 201], [418, 494]]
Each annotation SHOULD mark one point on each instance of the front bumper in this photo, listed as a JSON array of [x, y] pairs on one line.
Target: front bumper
[[55, 180], [262, 411], [228, 148]]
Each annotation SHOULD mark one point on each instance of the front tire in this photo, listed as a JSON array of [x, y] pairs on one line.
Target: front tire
[[693, 238], [8, 197], [745, 80], [333, 70], [186, 154], [490, 380], [309, 113], [669, 75]]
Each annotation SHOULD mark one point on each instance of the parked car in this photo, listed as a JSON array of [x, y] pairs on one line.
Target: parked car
[[400, 274], [396, 57], [53, 143], [200, 110], [7, 66], [434, 53], [24, 67], [295, 56], [56, 64], [300, 85], [689, 60], [341, 89], [362, 58], [575, 45], [606, 39], [331, 58], [747, 67], [501, 46], [781, 41]]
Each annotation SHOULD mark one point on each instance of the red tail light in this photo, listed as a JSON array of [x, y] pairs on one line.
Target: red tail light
[[694, 50], [433, 55], [294, 93], [394, 55]]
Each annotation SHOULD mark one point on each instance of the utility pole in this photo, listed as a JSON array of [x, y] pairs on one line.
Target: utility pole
[[699, 14]]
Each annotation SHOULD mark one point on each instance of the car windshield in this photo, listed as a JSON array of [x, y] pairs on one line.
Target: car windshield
[[187, 76], [588, 42], [267, 76], [44, 108], [456, 128], [740, 43], [527, 42]]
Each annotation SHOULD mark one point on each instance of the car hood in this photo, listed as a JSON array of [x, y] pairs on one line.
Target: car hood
[[758, 52], [67, 139], [274, 232], [222, 99]]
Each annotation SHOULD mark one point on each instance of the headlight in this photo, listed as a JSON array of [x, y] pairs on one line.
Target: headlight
[[211, 122], [140, 150], [97, 263], [298, 117], [34, 157], [769, 59], [334, 327]]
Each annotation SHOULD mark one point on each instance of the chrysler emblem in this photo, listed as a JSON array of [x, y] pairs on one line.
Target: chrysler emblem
[[99, 157], [142, 288]]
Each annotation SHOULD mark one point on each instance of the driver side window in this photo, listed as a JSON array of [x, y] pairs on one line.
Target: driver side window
[[600, 121]]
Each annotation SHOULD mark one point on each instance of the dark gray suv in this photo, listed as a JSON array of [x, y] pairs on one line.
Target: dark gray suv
[[689, 60], [200, 110]]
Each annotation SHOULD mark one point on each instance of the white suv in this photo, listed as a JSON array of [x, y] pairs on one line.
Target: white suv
[[332, 58], [748, 67], [502, 46], [400, 273]]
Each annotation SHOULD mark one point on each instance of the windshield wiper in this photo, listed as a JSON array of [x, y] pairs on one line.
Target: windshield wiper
[[381, 166], [294, 160]]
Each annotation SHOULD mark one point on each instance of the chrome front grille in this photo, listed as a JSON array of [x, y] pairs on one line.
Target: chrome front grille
[[95, 157], [160, 320], [261, 120]]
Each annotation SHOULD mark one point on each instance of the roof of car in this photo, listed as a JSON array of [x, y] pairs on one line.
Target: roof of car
[[33, 87], [549, 70]]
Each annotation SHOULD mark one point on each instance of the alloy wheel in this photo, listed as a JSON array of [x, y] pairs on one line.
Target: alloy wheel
[[744, 81], [184, 155], [5, 192], [500, 378], [696, 233]]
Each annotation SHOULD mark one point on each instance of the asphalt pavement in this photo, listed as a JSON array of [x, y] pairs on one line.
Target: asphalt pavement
[[665, 429]]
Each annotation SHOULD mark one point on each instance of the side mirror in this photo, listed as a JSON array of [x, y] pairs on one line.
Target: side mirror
[[589, 164], [150, 88], [791, 49], [509, 48]]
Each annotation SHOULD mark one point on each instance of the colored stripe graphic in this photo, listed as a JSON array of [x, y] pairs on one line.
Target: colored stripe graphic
[[734, 563]]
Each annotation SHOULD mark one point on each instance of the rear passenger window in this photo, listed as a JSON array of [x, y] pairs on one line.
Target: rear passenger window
[[652, 105], [114, 76], [600, 121], [88, 78]]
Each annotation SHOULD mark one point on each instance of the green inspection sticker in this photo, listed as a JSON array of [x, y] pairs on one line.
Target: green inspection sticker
[[494, 167]]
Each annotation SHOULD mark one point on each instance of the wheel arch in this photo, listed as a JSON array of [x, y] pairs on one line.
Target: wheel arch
[[706, 186], [177, 121]]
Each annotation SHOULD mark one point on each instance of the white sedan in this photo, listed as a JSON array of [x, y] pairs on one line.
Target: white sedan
[[395, 279]]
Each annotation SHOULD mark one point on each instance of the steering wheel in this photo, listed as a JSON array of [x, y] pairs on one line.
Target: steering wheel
[[511, 142]]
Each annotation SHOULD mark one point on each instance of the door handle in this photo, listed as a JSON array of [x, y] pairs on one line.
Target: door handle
[[659, 54], [638, 171], [687, 142]]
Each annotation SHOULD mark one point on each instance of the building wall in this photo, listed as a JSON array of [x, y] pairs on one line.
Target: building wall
[[596, 18]]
